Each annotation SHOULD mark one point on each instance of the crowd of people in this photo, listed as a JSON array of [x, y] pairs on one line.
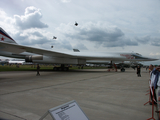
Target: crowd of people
[[155, 86]]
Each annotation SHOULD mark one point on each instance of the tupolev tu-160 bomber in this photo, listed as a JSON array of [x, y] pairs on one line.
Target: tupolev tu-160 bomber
[[9, 48]]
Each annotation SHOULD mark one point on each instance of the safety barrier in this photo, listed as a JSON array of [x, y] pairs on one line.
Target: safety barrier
[[149, 95], [151, 91]]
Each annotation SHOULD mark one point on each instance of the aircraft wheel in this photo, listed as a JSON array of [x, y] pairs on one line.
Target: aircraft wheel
[[59, 69], [55, 69], [66, 68], [122, 70]]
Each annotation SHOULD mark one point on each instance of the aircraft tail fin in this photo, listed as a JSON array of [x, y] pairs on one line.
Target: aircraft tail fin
[[4, 37]]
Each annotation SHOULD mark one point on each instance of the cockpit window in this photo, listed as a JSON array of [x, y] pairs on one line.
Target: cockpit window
[[138, 54]]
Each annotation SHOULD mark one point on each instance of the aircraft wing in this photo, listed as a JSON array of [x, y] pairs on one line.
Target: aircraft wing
[[17, 49]]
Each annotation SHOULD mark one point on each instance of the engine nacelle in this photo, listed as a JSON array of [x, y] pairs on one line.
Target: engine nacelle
[[30, 58]]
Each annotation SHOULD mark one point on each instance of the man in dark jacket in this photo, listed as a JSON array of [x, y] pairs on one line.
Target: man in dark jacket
[[38, 68], [138, 71]]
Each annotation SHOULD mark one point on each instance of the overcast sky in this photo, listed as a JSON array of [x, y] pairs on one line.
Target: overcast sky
[[103, 25]]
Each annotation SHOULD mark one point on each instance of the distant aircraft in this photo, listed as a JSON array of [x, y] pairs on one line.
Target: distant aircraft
[[4, 61], [76, 50], [76, 24], [9, 48], [16, 61], [54, 37]]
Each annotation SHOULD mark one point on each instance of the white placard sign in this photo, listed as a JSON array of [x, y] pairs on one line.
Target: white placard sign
[[68, 111]]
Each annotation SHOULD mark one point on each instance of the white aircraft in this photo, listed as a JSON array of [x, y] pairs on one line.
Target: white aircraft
[[16, 61], [9, 48], [4, 61]]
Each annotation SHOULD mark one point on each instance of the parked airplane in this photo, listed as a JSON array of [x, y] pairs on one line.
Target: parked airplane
[[9, 48], [4, 61], [17, 61]]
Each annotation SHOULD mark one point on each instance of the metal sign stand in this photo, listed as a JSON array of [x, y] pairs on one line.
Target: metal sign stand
[[44, 115]]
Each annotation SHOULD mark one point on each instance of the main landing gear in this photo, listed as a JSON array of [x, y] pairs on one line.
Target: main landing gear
[[61, 68], [122, 70]]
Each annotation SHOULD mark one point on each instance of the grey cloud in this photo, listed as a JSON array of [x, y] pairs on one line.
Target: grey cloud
[[148, 39], [121, 43], [101, 35], [31, 19], [66, 44], [143, 40], [38, 34], [155, 42], [61, 44], [40, 40], [19, 39], [80, 46], [32, 42], [25, 40]]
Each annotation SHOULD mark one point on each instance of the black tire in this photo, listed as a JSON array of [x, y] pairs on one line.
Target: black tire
[[122, 70], [55, 69]]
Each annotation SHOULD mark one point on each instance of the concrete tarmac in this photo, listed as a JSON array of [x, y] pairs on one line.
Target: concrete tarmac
[[100, 94]]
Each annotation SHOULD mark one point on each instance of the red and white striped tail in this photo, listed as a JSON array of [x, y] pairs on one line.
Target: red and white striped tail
[[4, 37]]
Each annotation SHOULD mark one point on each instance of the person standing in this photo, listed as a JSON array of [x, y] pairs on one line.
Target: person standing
[[138, 71], [38, 68], [156, 72], [152, 78]]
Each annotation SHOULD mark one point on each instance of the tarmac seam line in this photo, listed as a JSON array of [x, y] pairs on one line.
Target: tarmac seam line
[[54, 85], [13, 115]]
